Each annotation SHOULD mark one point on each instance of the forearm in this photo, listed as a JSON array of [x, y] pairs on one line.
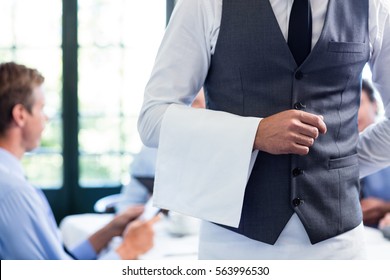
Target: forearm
[[149, 122], [180, 68], [386, 208], [101, 238]]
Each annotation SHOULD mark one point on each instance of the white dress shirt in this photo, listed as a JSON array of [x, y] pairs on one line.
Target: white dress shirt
[[205, 157]]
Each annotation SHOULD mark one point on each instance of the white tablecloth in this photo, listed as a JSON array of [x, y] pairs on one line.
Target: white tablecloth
[[378, 246], [168, 245]]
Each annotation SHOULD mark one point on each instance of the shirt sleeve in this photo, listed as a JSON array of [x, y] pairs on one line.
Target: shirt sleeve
[[26, 231], [374, 142], [204, 156], [109, 255], [180, 67], [85, 251]]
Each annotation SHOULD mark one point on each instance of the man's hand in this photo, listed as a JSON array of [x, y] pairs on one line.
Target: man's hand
[[385, 222], [115, 227], [373, 210], [137, 239], [289, 132], [119, 222]]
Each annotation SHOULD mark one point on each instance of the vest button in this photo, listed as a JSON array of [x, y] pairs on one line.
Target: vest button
[[299, 106], [296, 202], [297, 171], [298, 75]]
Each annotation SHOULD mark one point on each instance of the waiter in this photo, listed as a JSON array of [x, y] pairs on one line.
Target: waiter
[[271, 166]]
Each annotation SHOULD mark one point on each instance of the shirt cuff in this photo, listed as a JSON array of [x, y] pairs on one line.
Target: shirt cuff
[[109, 255], [84, 251]]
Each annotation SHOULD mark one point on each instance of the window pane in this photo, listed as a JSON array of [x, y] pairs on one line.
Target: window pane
[[44, 170], [6, 24], [36, 23], [51, 139], [101, 22], [118, 42], [103, 170], [100, 81], [5, 55], [48, 61], [31, 35], [99, 135], [130, 136]]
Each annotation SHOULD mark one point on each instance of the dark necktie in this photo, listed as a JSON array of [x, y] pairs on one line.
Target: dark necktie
[[300, 30]]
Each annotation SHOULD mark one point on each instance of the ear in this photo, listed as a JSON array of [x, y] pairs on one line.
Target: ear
[[19, 115]]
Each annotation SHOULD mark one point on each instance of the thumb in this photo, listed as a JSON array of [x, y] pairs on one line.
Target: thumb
[[154, 220]]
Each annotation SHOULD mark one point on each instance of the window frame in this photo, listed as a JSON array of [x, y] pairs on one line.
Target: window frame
[[72, 198]]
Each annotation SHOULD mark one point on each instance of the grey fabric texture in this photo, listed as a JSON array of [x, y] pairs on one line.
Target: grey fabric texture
[[253, 73]]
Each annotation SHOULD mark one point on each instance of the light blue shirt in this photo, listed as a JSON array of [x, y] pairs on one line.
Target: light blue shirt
[[27, 226], [377, 185]]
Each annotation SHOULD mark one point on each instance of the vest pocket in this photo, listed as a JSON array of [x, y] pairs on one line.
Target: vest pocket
[[343, 162], [346, 47]]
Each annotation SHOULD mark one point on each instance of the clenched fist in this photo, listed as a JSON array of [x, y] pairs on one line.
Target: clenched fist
[[289, 132]]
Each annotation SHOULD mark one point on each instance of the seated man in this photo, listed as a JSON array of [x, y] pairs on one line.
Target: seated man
[[27, 226], [375, 200]]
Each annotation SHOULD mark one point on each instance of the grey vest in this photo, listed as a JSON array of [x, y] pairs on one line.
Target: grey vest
[[253, 73]]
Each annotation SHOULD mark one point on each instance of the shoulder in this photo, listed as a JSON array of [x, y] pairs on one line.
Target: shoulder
[[199, 3], [11, 185], [205, 7], [15, 192]]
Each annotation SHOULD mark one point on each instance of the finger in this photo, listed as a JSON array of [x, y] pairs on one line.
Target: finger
[[154, 219], [313, 120], [133, 210], [299, 149], [383, 223], [308, 130], [304, 140], [136, 208], [134, 224]]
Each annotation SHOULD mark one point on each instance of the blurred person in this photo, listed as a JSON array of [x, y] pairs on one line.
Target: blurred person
[[375, 188], [27, 226]]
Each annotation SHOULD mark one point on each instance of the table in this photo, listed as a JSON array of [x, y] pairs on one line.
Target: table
[[378, 246], [168, 245]]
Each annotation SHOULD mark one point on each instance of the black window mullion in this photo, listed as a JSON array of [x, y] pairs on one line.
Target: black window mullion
[[72, 198], [70, 101]]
